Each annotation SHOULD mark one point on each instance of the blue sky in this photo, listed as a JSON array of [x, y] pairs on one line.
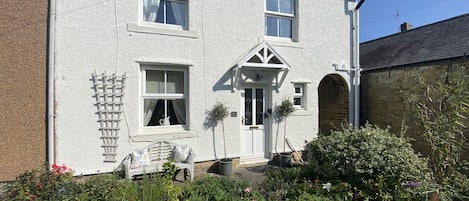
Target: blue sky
[[380, 18]]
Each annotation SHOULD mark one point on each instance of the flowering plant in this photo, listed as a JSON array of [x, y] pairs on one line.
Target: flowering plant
[[57, 169], [45, 184]]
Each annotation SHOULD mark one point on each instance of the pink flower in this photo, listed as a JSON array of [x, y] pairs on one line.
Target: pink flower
[[57, 169], [247, 189]]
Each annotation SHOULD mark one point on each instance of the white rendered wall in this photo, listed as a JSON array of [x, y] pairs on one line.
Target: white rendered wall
[[93, 35]]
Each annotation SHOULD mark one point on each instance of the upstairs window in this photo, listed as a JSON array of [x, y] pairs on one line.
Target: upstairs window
[[165, 12], [299, 96], [164, 97], [279, 16]]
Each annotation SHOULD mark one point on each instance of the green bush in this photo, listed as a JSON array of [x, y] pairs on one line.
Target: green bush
[[43, 184], [220, 188], [372, 160], [59, 184], [300, 184]]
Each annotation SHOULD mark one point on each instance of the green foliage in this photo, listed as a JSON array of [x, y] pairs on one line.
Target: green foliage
[[372, 160], [170, 190], [220, 189], [105, 187], [285, 109], [440, 109], [59, 184], [218, 113], [40, 184], [300, 184]]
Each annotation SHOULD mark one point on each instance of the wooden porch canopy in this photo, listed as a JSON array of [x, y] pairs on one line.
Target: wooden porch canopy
[[262, 64]]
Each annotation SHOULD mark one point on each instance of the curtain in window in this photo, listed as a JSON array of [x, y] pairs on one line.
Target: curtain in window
[[150, 10], [179, 107], [149, 107]]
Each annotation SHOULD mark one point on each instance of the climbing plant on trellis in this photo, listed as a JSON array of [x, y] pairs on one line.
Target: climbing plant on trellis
[[109, 94]]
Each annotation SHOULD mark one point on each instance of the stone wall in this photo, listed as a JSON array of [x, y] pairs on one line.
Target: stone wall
[[382, 101], [23, 28]]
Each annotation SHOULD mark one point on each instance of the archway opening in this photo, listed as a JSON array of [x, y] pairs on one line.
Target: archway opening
[[333, 96]]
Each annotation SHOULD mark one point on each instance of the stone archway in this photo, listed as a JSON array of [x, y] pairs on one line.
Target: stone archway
[[333, 94]]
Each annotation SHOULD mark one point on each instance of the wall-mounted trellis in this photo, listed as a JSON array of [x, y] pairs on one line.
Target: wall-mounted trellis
[[109, 94]]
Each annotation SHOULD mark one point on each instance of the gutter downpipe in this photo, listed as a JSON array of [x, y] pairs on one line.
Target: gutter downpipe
[[355, 117], [51, 85]]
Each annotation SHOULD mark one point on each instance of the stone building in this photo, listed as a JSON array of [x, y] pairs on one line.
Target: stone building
[[389, 63], [23, 42]]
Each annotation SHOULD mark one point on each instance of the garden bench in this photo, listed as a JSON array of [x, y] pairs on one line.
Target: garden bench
[[151, 158]]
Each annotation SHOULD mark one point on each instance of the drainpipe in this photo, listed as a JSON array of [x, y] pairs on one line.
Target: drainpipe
[[355, 71], [51, 84]]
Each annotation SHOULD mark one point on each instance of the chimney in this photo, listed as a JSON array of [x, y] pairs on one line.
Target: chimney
[[405, 26]]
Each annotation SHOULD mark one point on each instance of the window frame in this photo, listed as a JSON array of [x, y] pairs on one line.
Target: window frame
[[301, 95], [281, 15], [165, 96], [165, 25]]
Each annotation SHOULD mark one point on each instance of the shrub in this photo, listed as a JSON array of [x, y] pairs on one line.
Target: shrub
[[300, 184], [43, 184], [59, 184], [440, 109], [220, 188], [371, 159]]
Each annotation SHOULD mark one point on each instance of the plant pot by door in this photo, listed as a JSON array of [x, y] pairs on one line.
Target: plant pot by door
[[226, 167], [285, 160]]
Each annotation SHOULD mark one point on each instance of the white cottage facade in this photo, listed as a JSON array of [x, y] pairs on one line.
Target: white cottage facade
[[128, 72]]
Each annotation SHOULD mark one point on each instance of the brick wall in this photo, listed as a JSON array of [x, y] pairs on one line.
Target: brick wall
[[333, 103]]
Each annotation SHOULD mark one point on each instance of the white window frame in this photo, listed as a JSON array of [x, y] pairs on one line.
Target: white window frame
[[301, 95], [165, 25], [145, 95], [280, 15]]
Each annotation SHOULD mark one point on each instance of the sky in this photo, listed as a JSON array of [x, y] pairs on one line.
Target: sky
[[379, 18]]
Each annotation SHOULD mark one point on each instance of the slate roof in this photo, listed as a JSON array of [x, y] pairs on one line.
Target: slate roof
[[441, 40]]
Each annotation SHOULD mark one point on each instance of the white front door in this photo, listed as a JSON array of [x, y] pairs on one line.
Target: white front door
[[253, 123]]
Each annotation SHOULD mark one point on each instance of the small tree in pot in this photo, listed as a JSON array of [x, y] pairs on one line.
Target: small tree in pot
[[284, 110], [218, 113]]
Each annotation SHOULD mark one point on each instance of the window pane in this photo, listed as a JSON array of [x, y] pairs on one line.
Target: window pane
[[271, 26], [153, 111], [259, 106], [177, 112], [297, 101], [272, 5], [176, 13], [175, 83], [297, 90], [160, 14], [286, 6], [248, 106], [150, 10], [154, 81], [285, 27]]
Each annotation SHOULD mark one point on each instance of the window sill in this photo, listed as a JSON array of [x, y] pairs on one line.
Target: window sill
[[153, 29], [281, 42], [302, 112], [152, 134]]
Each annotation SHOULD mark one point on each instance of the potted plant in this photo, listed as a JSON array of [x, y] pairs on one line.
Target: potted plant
[[284, 110], [218, 113]]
